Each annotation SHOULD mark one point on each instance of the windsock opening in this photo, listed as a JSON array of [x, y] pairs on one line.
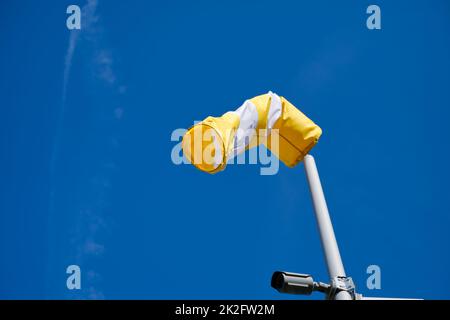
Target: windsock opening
[[204, 148], [266, 119]]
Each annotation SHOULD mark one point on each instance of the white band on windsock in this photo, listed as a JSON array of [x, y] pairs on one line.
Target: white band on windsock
[[248, 123], [274, 110]]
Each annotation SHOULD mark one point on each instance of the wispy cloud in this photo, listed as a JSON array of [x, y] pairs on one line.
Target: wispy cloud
[[118, 113], [92, 247], [88, 18], [68, 61], [85, 235], [104, 63]]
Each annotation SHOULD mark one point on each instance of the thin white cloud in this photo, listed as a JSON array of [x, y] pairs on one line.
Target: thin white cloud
[[118, 113], [104, 62], [92, 247], [88, 18], [90, 220], [68, 61]]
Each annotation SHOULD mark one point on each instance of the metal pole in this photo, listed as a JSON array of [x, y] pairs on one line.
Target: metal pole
[[343, 295], [327, 237]]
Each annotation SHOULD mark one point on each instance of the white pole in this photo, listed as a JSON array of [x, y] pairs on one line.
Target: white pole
[[343, 295], [327, 237]]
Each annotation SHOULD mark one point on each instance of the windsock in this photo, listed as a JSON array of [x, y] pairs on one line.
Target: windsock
[[266, 119]]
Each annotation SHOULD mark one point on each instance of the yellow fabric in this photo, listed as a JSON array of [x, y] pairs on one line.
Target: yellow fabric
[[199, 155], [296, 135]]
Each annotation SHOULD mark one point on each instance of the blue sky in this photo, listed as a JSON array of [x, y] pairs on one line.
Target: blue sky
[[85, 166]]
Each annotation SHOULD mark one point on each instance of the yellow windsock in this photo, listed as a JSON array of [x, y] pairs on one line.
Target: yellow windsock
[[266, 119]]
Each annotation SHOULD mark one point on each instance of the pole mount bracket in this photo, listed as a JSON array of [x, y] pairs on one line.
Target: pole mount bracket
[[339, 284]]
